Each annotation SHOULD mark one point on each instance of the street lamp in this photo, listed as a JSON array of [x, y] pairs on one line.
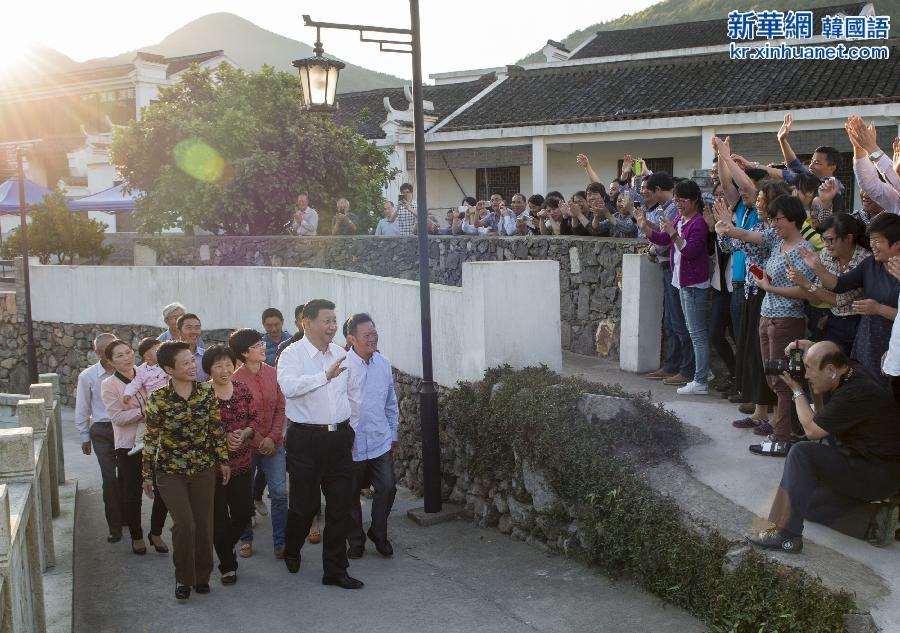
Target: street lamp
[[318, 78], [428, 410]]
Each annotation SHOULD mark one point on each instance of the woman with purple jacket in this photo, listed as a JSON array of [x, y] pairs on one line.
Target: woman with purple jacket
[[689, 261]]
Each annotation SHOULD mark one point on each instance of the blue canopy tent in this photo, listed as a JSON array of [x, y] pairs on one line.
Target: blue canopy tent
[[9, 194], [112, 200]]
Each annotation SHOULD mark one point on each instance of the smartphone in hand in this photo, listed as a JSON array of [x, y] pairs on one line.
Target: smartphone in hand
[[758, 272]]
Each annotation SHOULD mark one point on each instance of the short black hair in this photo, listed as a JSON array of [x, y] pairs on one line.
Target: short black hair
[[832, 156], [355, 321], [469, 200], [521, 195], [790, 207], [660, 180], [886, 225], [165, 357], [113, 344], [311, 309], [555, 194], [214, 354], [756, 174], [242, 340], [552, 202], [844, 224], [807, 183], [536, 199], [146, 344], [185, 317], [406, 187], [268, 313], [689, 190], [298, 311]]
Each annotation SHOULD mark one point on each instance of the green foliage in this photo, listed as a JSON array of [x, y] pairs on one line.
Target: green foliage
[[680, 11], [531, 416], [230, 152], [56, 231]]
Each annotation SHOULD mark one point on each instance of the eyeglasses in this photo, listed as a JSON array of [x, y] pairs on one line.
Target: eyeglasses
[[258, 345]]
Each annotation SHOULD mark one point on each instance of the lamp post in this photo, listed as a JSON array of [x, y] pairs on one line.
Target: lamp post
[[30, 349], [319, 93]]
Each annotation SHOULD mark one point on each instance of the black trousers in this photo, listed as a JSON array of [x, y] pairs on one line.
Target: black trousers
[[259, 484], [822, 484], [131, 486], [320, 459], [231, 512], [104, 445], [750, 379], [379, 472]]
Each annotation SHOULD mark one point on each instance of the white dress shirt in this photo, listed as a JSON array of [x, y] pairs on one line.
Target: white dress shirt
[[89, 407], [892, 360], [310, 223], [309, 397]]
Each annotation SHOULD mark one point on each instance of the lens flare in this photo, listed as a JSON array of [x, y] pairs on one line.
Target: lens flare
[[200, 161]]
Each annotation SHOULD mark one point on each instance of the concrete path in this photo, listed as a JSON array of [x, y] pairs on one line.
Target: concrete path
[[719, 458], [446, 578]]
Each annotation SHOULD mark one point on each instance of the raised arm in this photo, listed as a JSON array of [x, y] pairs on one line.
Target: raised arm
[[786, 149], [585, 163]]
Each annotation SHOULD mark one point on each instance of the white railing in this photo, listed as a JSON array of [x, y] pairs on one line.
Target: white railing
[[31, 469]]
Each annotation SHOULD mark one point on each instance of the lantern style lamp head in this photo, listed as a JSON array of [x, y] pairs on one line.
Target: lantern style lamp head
[[318, 79]]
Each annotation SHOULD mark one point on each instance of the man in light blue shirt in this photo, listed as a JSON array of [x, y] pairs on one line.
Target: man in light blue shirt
[[374, 415], [95, 429]]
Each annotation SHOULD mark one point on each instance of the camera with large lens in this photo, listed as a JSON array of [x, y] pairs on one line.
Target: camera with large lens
[[793, 365]]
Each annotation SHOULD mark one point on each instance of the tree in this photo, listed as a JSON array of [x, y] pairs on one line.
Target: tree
[[230, 151], [54, 230]]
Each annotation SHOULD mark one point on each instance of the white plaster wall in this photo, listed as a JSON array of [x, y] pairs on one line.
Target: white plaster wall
[[443, 192], [470, 325], [100, 177]]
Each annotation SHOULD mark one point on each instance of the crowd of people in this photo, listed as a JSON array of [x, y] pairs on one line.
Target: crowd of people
[[203, 430]]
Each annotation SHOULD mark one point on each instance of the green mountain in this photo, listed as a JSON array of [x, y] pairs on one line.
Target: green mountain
[[250, 46], [679, 11]]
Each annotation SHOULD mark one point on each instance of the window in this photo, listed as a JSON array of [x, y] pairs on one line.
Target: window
[[653, 164], [491, 180]]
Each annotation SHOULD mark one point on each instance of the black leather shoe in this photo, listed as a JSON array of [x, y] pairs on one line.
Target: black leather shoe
[[202, 588], [356, 552], [114, 537], [292, 564], [182, 592], [383, 547], [344, 582]]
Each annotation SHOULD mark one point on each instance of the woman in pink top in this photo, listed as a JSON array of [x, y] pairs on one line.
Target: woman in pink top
[[125, 417]]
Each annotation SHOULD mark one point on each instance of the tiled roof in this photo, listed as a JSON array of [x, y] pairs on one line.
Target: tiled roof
[[682, 86], [177, 64], [684, 35], [446, 98]]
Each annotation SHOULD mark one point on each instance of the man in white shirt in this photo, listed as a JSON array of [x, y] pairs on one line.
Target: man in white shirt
[[319, 440], [95, 429], [373, 415], [306, 219]]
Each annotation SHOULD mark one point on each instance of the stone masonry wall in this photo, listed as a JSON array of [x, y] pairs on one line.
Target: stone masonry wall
[[590, 271]]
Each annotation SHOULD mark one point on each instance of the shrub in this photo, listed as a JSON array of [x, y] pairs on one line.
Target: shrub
[[531, 415]]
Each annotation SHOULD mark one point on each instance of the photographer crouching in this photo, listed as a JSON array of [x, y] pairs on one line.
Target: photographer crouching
[[835, 484]]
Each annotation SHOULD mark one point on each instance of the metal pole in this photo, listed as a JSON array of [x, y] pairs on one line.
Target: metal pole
[[30, 350], [428, 409]]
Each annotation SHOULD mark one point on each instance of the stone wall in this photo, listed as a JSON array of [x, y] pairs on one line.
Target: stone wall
[[590, 271]]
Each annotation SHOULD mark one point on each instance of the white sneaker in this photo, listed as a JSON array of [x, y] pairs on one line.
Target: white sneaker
[[693, 389]]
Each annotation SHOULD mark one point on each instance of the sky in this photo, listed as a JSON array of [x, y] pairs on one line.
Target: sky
[[457, 35]]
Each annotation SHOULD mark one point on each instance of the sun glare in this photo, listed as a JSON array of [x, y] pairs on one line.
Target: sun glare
[[13, 50]]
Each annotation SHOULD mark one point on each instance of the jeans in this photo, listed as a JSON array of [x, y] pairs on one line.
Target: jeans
[[679, 353], [694, 302], [104, 445], [319, 459], [231, 511], [380, 473], [274, 467], [822, 484], [718, 325], [842, 330]]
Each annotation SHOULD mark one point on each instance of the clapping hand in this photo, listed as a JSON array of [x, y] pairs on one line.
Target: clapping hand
[[797, 278], [582, 161], [861, 135], [893, 266], [897, 155], [811, 259], [827, 191], [565, 208], [785, 127]]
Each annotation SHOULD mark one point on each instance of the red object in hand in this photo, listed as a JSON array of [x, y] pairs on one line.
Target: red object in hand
[[758, 272]]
